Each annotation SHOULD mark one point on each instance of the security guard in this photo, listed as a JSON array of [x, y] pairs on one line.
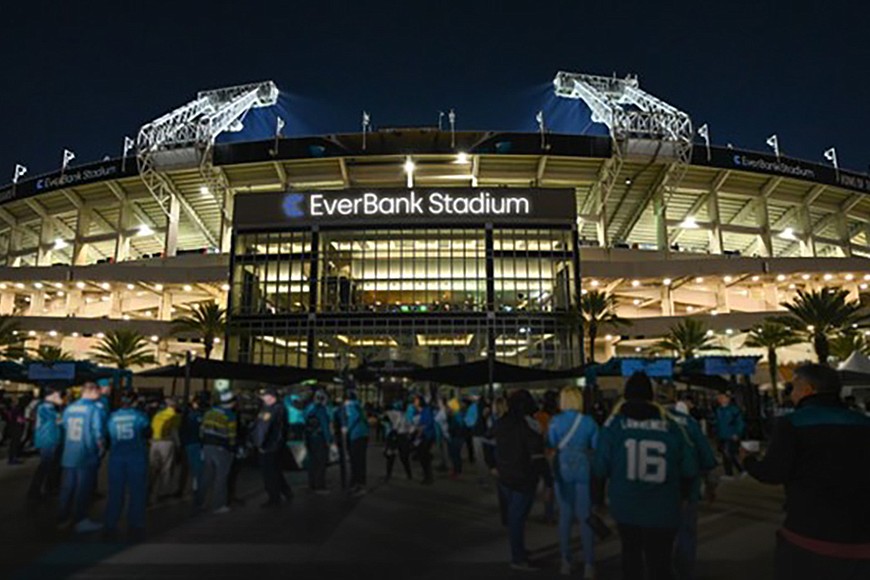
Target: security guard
[[129, 430], [269, 436], [644, 456]]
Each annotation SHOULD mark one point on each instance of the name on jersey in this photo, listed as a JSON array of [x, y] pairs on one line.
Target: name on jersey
[[646, 424]]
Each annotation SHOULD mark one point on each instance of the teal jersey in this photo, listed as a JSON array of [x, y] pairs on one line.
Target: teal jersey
[[128, 433], [699, 445], [645, 461], [84, 434]]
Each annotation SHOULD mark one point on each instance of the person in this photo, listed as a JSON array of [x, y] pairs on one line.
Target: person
[[521, 463], [476, 419], [573, 436], [219, 432], [318, 438], [642, 455], [83, 446], [191, 442], [47, 441], [821, 454], [164, 427], [16, 424], [729, 429], [356, 427], [424, 436], [455, 436], [397, 444], [686, 546], [129, 429], [549, 409], [269, 437]]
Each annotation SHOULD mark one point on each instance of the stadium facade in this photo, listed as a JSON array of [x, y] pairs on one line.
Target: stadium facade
[[425, 246]]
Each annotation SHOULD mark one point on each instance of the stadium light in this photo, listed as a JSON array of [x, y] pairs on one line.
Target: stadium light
[[773, 143], [462, 158], [704, 131]]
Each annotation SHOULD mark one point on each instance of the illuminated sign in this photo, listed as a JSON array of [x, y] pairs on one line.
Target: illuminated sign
[[418, 205]]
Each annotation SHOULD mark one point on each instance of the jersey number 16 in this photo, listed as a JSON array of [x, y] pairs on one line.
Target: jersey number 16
[[645, 460]]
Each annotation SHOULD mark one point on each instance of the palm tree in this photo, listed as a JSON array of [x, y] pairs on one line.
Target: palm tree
[[123, 349], [687, 338], [206, 320], [47, 354], [599, 309], [820, 315], [771, 335], [842, 345], [11, 342]]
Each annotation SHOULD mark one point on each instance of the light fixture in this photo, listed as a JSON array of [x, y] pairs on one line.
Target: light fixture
[[863, 286], [628, 181], [755, 278], [667, 281], [145, 230], [158, 287], [787, 234], [729, 332], [126, 317], [80, 285], [155, 338], [106, 286], [52, 333], [636, 301], [225, 287], [594, 283], [37, 285], [130, 286], [608, 337], [807, 277], [780, 277], [60, 244], [689, 223], [635, 283], [714, 313], [19, 285], [3, 286], [101, 335], [58, 285], [216, 340], [409, 165], [699, 280], [105, 297], [31, 333], [75, 334], [637, 349], [690, 308], [828, 277], [187, 287], [866, 277], [728, 279], [710, 333], [462, 157], [792, 286], [203, 189], [583, 292], [849, 277]]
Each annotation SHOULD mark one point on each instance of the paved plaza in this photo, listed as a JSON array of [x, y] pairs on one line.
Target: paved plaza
[[400, 529]]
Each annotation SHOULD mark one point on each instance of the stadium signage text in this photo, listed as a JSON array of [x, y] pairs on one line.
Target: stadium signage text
[[396, 207]]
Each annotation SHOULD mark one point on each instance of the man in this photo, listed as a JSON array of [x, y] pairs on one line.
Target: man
[[17, 424], [521, 463], [84, 445], [821, 454], [644, 457], [423, 420], [220, 427], [164, 428], [269, 436], [729, 429], [686, 548], [396, 429], [47, 441], [356, 427], [318, 438], [191, 442], [128, 467]]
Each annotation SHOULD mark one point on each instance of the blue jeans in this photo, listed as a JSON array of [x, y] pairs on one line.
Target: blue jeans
[[46, 473], [575, 504], [193, 451], [518, 506], [686, 546], [127, 473], [77, 491]]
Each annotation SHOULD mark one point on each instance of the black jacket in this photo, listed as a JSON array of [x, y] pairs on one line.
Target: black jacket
[[519, 453], [269, 432], [821, 453]]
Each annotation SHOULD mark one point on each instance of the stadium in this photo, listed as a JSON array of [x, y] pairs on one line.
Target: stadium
[[426, 246]]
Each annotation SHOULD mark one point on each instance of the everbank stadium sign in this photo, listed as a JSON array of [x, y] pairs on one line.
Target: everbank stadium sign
[[400, 206]]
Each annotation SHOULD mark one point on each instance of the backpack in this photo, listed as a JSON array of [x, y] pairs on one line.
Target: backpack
[[572, 461]]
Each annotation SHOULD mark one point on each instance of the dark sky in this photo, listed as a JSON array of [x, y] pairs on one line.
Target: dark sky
[[83, 74]]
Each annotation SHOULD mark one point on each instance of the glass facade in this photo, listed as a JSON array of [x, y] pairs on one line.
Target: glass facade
[[331, 298]]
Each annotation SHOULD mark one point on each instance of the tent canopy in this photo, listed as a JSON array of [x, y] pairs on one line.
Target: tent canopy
[[477, 373], [201, 368]]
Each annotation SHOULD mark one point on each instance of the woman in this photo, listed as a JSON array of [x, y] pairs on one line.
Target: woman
[[573, 436]]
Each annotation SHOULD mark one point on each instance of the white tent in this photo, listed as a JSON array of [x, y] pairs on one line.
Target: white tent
[[856, 363]]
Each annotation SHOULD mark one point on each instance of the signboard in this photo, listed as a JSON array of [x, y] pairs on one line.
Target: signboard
[[56, 372], [719, 365], [653, 367], [425, 206], [71, 177]]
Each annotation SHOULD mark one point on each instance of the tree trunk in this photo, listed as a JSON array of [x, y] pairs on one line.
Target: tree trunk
[[593, 333], [772, 364], [820, 345]]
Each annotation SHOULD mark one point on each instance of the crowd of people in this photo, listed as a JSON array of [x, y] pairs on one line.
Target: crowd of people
[[643, 462]]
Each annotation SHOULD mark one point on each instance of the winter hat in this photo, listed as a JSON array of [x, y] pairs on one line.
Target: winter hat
[[638, 387]]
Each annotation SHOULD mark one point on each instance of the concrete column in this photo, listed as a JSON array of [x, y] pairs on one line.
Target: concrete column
[[46, 242], [722, 304], [7, 303], [716, 246], [853, 293], [227, 221], [83, 228], [808, 240], [164, 312], [13, 246], [116, 309], [122, 240], [74, 302], [37, 303], [660, 213], [842, 226], [771, 296], [763, 222], [667, 301], [170, 245]]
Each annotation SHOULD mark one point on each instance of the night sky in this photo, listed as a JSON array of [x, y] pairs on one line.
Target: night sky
[[81, 75]]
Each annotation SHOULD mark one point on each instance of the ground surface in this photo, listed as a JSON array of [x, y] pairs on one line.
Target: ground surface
[[398, 530]]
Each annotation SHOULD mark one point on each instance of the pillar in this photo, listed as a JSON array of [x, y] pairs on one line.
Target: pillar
[[83, 228], [715, 232], [46, 243], [763, 222], [170, 244]]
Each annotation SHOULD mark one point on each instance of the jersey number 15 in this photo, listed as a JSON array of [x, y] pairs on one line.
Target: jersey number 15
[[645, 460]]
